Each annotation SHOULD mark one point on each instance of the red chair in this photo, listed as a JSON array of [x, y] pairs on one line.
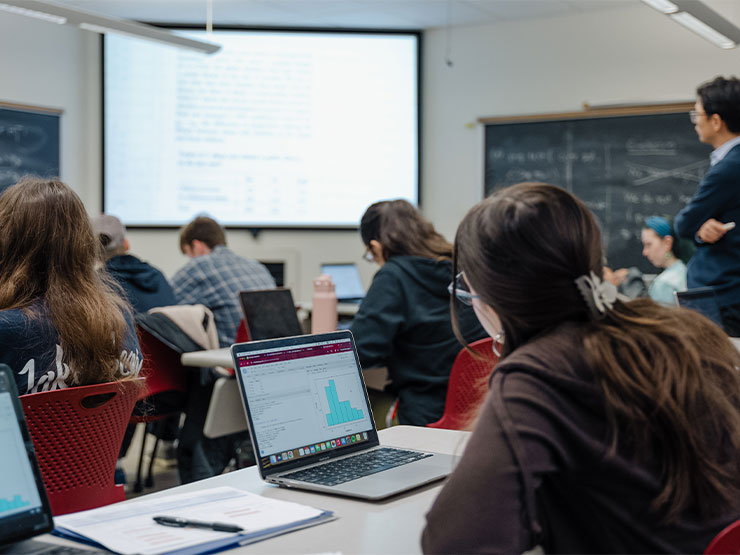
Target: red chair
[[242, 332], [467, 386], [164, 374], [77, 433], [726, 542]]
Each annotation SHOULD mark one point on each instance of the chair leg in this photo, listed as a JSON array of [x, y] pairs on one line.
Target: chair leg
[[158, 427], [138, 487]]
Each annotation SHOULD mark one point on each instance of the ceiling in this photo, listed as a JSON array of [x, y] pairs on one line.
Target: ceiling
[[388, 14]]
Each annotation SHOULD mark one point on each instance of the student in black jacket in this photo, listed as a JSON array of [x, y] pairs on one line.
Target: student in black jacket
[[404, 321], [145, 286]]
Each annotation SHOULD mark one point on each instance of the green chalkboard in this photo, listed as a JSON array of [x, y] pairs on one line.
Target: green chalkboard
[[625, 164], [29, 143]]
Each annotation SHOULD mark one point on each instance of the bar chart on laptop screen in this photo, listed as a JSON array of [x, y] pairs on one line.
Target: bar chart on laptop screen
[[340, 401], [17, 486]]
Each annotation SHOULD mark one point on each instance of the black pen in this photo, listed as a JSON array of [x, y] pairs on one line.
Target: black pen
[[178, 522]]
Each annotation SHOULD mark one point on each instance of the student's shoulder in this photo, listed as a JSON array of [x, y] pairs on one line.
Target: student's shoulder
[[11, 324]]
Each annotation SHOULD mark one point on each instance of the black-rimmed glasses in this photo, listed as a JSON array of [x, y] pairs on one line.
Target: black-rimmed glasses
[[694, 115], [459, 287]]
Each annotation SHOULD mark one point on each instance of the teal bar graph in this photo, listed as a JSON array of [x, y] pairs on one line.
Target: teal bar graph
[[340, 412], [10, 505]]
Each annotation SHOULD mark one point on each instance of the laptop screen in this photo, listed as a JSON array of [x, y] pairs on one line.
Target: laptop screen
[[347, 282], [24, 509], [270, 313], [305, 397]]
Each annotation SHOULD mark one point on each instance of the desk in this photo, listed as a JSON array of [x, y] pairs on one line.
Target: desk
[[393, 526]]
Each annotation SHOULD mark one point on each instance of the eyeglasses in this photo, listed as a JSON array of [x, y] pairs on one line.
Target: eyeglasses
[[461, 290], [694, 115]]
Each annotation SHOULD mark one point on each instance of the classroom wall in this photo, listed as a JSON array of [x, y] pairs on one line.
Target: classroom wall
[[632, 54]]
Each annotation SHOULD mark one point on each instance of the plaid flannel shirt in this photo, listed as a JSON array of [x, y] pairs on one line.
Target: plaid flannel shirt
[[215, 280]]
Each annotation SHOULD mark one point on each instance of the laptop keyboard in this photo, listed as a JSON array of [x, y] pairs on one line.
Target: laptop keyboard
[[357, 466]]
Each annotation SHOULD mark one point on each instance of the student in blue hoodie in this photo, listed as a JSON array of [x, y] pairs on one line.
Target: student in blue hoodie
[[145, 286], [404, 320]]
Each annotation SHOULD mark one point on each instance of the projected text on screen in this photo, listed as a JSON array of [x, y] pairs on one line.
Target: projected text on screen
[[276, 129]]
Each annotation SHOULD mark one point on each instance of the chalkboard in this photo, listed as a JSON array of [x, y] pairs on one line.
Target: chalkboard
[[626, 166], [29, 143]]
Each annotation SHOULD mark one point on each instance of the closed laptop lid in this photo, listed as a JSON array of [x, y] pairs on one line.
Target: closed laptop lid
[[305, 399], [24, 507], [270, 313], [347, 282]]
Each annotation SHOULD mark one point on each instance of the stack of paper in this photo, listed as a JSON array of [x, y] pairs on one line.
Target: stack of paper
[[129, 528]]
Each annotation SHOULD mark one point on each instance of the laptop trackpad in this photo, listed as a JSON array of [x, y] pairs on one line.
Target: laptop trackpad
[[396, 480]]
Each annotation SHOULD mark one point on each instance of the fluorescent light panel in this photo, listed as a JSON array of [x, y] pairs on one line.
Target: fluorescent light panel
[[703, 30], [700, 19], [33, 13], [663, 6], [50, 11]]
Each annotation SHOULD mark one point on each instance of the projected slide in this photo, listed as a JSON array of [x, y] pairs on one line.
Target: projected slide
[[17, 486], [276, 129]]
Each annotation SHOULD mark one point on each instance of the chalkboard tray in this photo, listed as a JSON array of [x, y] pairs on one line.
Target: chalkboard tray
[[29, 142], [626, 164]]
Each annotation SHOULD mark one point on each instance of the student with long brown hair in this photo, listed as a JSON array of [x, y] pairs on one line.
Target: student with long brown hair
[[62, 323], [610, 425], [404, 320]]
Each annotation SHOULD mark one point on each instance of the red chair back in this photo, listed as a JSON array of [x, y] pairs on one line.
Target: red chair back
[[467, 386], [162, 368], [242, 332], [726, 542], [77, 433]]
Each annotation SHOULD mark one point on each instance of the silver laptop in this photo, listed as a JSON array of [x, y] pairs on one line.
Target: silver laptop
[[311, 423], [347, 282]]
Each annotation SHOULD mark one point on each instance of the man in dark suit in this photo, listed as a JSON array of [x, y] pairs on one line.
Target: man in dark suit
[[710, 217]]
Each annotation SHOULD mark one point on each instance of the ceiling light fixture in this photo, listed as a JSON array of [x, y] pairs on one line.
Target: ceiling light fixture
[[699, 18], [664, 6], [50, 11], [702, 29], [33, 13]]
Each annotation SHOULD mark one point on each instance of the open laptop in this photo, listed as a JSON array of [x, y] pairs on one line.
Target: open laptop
[[347, 282], [311, 423], [24, 507], [702, 300], [270, 313]]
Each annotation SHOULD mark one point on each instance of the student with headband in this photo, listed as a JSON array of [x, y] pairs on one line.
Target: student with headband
[[611, 426], [662, 249]]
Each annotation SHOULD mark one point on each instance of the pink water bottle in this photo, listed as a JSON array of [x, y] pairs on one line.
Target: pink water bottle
[[324, 312]]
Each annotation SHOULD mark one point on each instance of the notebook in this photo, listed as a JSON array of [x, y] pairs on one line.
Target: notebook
[[270, 313], [702, 300], [24, 507], [311, 423], [347, 282]]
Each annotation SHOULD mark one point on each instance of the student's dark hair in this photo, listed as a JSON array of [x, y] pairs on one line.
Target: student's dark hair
[[669, 376], [402, 230], [48, 253], [203, 229], [722, 96]]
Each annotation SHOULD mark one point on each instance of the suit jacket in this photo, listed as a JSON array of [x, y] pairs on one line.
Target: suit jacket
[[715, 264]]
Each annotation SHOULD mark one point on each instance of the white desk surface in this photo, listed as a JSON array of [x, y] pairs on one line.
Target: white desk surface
[[392, 526]]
